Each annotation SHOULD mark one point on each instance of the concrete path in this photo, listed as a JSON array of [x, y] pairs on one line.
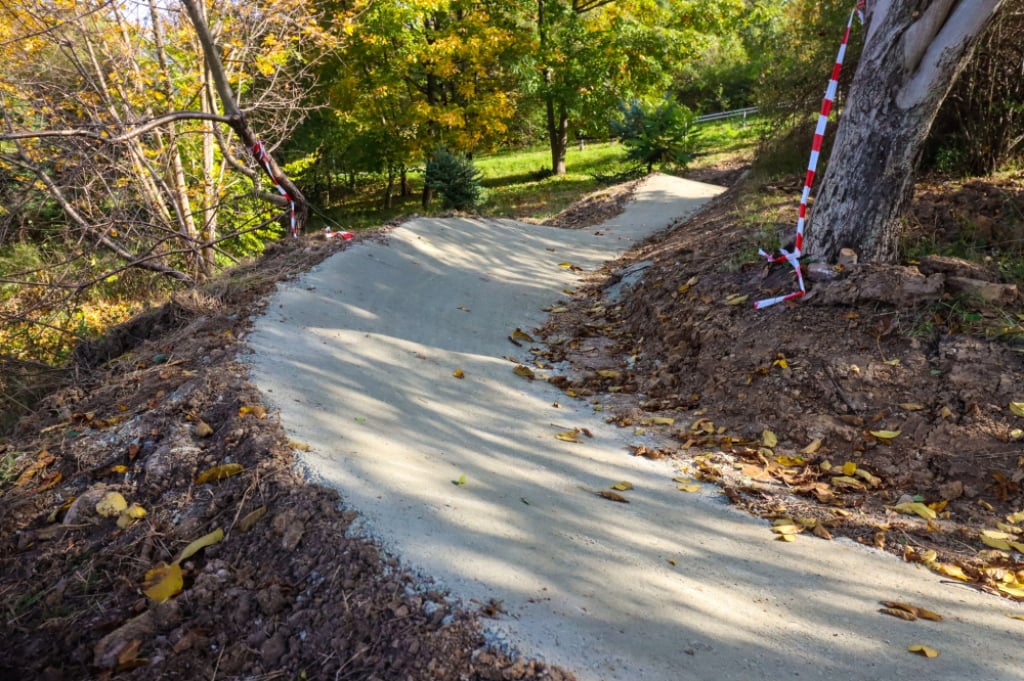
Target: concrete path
[[359, 354]]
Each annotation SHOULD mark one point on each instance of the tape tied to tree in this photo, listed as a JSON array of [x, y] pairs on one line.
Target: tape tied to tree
[[264, 160], [793, 257]]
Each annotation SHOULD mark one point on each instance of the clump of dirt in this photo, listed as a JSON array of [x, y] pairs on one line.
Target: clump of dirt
[[879, 388], [172, 425], [596, 207]]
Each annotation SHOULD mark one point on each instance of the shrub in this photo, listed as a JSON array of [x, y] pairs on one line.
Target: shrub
[[456, 179], [662, 134]]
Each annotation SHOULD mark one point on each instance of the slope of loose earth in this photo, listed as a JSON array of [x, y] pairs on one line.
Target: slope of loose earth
[[294, 596]]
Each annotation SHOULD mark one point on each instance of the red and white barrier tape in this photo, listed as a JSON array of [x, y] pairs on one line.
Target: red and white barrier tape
[[793, 257], [264, 159]]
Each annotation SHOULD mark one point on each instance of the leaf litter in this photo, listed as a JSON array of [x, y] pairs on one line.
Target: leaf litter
[[284, 541], [803, 411]]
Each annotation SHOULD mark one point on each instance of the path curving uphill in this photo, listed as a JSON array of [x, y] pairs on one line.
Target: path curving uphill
[[359, 356]]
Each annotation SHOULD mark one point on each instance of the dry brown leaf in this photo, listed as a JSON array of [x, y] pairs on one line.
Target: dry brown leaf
[[250, 519], [915, 610], [521, 335], [614, 496], [911, 406], [820, 530], [202, 429], [43, 459], [219, 473], [897, 612], [524, 371]]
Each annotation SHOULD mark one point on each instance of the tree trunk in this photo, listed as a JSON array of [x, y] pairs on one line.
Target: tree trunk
[[558, 135], [912, 53], [237, 119]]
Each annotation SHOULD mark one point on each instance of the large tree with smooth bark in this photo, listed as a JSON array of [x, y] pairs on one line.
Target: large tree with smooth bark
[[913, 51]]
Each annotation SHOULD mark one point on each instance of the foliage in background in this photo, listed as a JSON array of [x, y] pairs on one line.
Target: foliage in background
[[724, 74], [456, 179], [662, 133], [804, 40]]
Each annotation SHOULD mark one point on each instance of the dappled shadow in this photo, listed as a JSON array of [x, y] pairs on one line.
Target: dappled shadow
[[360, 355]]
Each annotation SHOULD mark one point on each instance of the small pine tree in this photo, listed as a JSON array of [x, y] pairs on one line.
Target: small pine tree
[[662, 134], [457, 180]]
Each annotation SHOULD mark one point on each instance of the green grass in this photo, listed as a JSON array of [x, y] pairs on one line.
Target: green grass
[[518, 183]]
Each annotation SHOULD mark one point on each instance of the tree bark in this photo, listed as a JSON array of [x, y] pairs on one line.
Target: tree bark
[[913, 52], [558, 135]]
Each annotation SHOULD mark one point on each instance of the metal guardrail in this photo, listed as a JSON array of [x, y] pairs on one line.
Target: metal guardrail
[[736, 113]]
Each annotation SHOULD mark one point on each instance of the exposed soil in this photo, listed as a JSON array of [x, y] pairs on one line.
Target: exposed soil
[[773, 404], [287, 593]]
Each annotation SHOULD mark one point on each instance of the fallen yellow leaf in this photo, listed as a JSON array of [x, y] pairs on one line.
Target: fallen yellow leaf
[[1015, 617], [163, 582], [623, 486], [953, 571], [608, 373], [130, 515], [769, 439], [885, 434], [867, 477], [1013, 589], [923, 650], [203, 429], [569, 436], [813, 447], [849, 468], [1017, 408], [257, 410], [911, 406], [659, 421], [201, 543], [111, 505], [736, 299], [786, 537], [1015, 518], [689, 487], [219, 473], [789, 461], [847, 481], [915, 508], [458, 373]]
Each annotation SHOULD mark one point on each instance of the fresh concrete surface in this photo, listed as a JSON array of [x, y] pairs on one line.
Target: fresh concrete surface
[[359, 354]]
